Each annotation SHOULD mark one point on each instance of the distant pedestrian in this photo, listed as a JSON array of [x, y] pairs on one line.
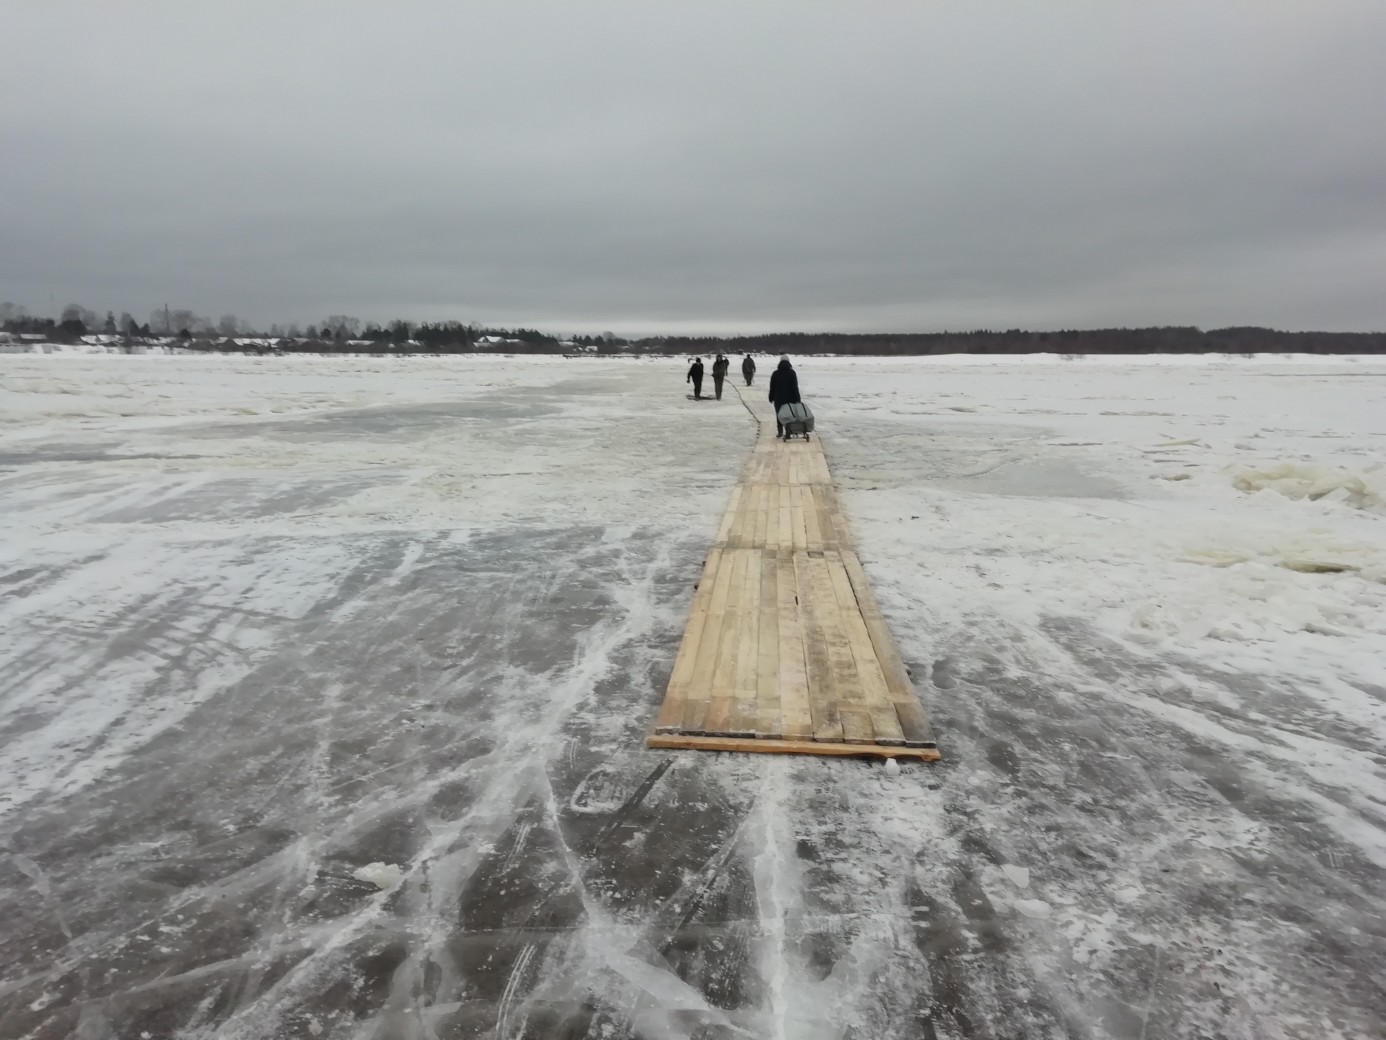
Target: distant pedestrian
[[695, 376], [748, 368], [719, 373], [784, 389]]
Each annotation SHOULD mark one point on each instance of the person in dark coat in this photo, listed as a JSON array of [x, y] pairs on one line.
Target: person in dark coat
[[784, 389], [719, 373], [748, 368], [695, 376]]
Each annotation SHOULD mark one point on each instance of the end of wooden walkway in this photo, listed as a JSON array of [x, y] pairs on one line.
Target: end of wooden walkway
[[785, 650]]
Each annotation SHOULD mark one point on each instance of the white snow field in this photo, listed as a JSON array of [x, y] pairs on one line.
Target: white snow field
[[324, 684]]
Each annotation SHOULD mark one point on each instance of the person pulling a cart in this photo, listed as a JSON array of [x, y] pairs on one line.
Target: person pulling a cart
[[784, 389]]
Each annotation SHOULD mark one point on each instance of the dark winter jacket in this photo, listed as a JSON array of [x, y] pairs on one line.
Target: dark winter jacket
[[719, 368], [695, 373], [784, 385], [748, 367]]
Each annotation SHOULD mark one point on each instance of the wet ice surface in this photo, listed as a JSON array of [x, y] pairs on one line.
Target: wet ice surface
[[243, 658]]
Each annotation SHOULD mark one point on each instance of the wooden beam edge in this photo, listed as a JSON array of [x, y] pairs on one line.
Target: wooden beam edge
[[678, 742]]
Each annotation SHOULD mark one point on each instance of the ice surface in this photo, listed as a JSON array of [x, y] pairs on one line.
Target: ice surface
[[268, 624], [1304, 480]]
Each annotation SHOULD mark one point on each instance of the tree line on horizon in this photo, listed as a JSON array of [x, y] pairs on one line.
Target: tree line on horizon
[[345, 334]]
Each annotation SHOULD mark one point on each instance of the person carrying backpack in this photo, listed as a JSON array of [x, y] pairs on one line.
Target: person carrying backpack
[[784, 389]]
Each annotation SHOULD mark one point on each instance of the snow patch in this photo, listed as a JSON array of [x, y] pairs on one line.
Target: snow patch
[[1018, 876], [385, 876], [1037, 909]]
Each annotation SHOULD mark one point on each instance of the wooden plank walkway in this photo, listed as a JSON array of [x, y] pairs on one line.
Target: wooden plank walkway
[[785, 649]]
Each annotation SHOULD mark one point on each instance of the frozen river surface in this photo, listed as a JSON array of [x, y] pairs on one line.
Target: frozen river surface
[[323, 686]]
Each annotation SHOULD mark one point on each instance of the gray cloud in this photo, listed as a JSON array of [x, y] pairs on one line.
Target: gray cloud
[[645, 167]]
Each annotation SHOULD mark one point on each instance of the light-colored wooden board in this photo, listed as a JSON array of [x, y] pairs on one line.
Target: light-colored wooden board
[[879, 704], [723, 686], [845, 682], [671, 712], [786, 519], [699, 690], [745, 687], [813, 530], [792, 679], [724, 530], [769, 720], [823, 700]]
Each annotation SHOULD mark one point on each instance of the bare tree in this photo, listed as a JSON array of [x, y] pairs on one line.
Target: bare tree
[[228, 325], [342, 326]]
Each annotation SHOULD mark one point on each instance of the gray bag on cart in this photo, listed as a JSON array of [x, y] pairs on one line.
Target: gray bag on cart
[[796, 419]]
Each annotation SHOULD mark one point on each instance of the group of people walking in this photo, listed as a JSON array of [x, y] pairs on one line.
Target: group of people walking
[[784, 381], [719, 374]]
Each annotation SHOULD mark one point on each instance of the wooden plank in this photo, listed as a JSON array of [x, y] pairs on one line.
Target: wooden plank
[[914, 722], [876, 697], [769, 720], [786, 520], [793, 673], [846, 685], [745, 690], [789, 747], [823, 703], [671, 712], [738, 531], [813, 531], [833, 536], [700, 683], [769, 523], [762, 510], [796, 512], [724, 530], [723, 686]]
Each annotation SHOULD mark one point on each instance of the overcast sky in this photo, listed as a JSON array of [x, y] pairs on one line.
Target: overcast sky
[[687, 166]]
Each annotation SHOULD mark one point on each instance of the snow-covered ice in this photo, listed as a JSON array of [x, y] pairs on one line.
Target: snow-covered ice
[[323, 685]]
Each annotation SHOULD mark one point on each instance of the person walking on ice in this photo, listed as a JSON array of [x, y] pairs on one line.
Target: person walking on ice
[[784, 389], [719, 373], [748, 368], [695, 376]]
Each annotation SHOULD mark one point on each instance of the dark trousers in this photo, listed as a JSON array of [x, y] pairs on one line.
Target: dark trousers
[[748, 376], [697, 388], [717, 385]]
